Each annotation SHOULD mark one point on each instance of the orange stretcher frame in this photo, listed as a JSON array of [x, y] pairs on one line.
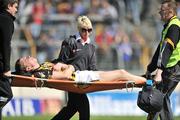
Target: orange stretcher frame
[[72, 86]]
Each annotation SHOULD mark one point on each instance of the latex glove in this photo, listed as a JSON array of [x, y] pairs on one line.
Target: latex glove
[[158, 76]]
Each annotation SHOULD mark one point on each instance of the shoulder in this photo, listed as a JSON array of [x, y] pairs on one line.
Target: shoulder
[[4, 17], [6, 21], [173, 29], [91, 45], [174, 26], [70, 38]]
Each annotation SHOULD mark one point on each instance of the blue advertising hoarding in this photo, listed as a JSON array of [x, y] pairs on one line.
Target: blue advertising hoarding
[[31, 107], [116, 103], [122, 103]]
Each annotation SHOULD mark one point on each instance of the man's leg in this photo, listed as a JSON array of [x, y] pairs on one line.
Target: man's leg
[[116, 75], [166, 112], [167, 87], [67, 112], [83, 107], [152, 116], [171, 78], [0, 114], [5, 92], [76, 103]]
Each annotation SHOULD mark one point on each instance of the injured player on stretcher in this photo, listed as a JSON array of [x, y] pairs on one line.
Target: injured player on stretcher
[[29, 66]]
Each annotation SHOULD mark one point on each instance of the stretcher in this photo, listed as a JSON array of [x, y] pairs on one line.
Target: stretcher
[[72, 86]]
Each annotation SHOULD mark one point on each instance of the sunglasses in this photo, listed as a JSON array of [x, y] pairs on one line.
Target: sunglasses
[[86, 30]]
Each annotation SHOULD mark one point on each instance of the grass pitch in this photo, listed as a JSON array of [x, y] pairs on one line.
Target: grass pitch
[[76, 118]]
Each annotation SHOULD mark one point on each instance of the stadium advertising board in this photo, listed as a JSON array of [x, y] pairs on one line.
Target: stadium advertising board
[[122, 103], [31, 107], [101, 103]]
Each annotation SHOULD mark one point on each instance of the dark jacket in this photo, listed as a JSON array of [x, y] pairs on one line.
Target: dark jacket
[[82, 57], [6, 32]]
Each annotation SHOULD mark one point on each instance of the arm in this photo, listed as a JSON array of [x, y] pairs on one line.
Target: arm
[[158, 75], [153, 64], [7, 35], [60, 66], [93, 64], [171, 40], [64, 53], [67, 47], [63, 71]]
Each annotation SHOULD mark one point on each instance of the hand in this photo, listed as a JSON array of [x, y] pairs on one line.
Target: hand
[[158, 77], [8, 73], [7, 76], [60, 67], [71, 67]]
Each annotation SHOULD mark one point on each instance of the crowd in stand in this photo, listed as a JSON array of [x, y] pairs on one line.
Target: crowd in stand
[[121, 28]]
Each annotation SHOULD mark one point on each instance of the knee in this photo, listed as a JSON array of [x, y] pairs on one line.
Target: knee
[[122, 71], [4, 101], [2, 104]]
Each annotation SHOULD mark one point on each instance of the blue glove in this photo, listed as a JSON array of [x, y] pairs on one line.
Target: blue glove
[[149, 82]]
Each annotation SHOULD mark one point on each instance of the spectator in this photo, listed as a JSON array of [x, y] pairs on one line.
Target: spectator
[[38, 12]]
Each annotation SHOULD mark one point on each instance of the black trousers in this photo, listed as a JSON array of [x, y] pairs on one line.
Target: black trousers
[[76, 103], [171, 78], [0, 114], [5, 91]]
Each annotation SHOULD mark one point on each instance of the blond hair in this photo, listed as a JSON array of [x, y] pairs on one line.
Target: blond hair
[[84, 22]]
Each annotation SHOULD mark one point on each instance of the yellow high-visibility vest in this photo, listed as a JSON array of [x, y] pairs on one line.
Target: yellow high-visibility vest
[[175, 56]]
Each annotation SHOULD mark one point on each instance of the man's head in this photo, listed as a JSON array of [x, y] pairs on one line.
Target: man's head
[[168, 10], [84, 26], [9, 5], [26, 64]]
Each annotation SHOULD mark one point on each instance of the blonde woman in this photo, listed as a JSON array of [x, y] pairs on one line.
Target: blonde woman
[[78, 51]]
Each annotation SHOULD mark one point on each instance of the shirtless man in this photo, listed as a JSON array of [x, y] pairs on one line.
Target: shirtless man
[[30, 66]]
